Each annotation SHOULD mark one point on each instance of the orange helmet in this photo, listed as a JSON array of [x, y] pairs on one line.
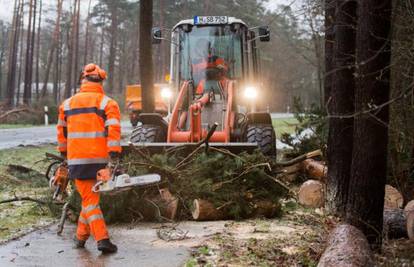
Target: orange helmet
[[94, 72]]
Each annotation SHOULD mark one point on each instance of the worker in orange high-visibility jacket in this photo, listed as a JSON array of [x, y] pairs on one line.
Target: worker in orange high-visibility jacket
[[89, 133]]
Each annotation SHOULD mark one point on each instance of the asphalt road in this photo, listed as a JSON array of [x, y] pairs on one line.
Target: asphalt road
[[10, 138], [138, 245]]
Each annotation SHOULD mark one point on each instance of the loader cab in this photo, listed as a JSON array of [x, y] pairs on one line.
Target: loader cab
[[204, 50]]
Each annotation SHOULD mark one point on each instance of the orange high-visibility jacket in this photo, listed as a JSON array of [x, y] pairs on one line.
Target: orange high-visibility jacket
[[88, 129]]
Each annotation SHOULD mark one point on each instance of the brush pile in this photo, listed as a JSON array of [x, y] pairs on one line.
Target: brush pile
[[197, 184]]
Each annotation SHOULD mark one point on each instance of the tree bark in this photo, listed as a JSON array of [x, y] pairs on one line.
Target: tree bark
[[85, 55], [347, 246], [145, 55], [52, 49], [27, 93], [38, 50], [21, 53], [112, 47], [69, 67], [12, 55], [76, 67], [369, 158], [341, 102]]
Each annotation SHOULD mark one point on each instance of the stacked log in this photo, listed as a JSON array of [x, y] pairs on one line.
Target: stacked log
[[311, 194], [395, 223], [315, 169], [409, 213], [393, 198]]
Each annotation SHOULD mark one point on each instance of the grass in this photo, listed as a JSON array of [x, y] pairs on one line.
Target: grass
[[284, 125], [15, 126], [17, 218]]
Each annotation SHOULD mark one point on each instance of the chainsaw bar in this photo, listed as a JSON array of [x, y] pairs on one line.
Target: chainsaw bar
[[124, 182]]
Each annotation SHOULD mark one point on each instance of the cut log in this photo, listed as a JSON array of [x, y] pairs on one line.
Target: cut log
[[204, 210], [311, 194], [171, 204], [347, 247], [395, 223], [393, 198], [291, 172], [315, 169], [409, 214], [409, 207], [410, 224], [267, 209]]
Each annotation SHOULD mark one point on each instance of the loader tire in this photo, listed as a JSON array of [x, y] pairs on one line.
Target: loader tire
[[147, 134], [264, 136]]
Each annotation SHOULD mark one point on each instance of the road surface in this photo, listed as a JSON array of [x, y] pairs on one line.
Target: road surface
[[10, 138], [138, 245]]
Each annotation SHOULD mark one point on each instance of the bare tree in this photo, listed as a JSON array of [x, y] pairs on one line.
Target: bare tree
[[369, 158], [71, 43], [145, 55], [27, 93], [12, 54], [341, 102], [38, 50], [86, 49], [54, 45]]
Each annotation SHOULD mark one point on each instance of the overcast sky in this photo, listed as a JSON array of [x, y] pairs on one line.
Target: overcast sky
[[6, 6]]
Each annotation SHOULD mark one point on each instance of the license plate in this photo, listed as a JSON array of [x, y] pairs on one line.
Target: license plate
[[203, 20]]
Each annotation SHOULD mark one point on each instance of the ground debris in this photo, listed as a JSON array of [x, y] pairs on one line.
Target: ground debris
[[171, 233]]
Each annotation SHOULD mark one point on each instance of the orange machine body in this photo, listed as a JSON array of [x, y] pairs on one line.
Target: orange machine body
[[196, 132]]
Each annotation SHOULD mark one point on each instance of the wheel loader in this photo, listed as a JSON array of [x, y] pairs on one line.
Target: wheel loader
[[214, 83]]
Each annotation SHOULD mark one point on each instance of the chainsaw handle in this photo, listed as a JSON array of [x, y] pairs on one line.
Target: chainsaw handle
[[95, 188]]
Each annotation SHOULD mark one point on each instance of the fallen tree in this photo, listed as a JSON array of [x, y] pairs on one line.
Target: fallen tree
[[201, 185]]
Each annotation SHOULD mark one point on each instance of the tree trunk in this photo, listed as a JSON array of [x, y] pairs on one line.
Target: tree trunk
[[27, 93], [329, 46], [341, 102], [112, 48], [76, 67], [12, 55], [21, 53], [69, 66], [145, 55], [369, 158], [85, 55], [38, 50], [52, 49]]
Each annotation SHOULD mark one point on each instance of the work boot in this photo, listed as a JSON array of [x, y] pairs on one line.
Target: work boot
[[79, 243], [106, 246]]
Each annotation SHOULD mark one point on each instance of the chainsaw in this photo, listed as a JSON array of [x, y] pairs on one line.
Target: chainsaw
[[111, 179], [59, 182]]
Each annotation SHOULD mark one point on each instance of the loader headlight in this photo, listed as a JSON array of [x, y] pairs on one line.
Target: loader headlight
[[166, 93], [250, 92]]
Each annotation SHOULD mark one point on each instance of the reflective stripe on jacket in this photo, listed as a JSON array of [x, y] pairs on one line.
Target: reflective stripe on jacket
[[88, 129]]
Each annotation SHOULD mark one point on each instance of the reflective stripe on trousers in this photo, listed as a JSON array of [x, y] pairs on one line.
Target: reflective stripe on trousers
[[91, 221]]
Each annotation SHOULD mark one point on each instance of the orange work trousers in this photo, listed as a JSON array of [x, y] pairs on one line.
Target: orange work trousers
[[91, 219]]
